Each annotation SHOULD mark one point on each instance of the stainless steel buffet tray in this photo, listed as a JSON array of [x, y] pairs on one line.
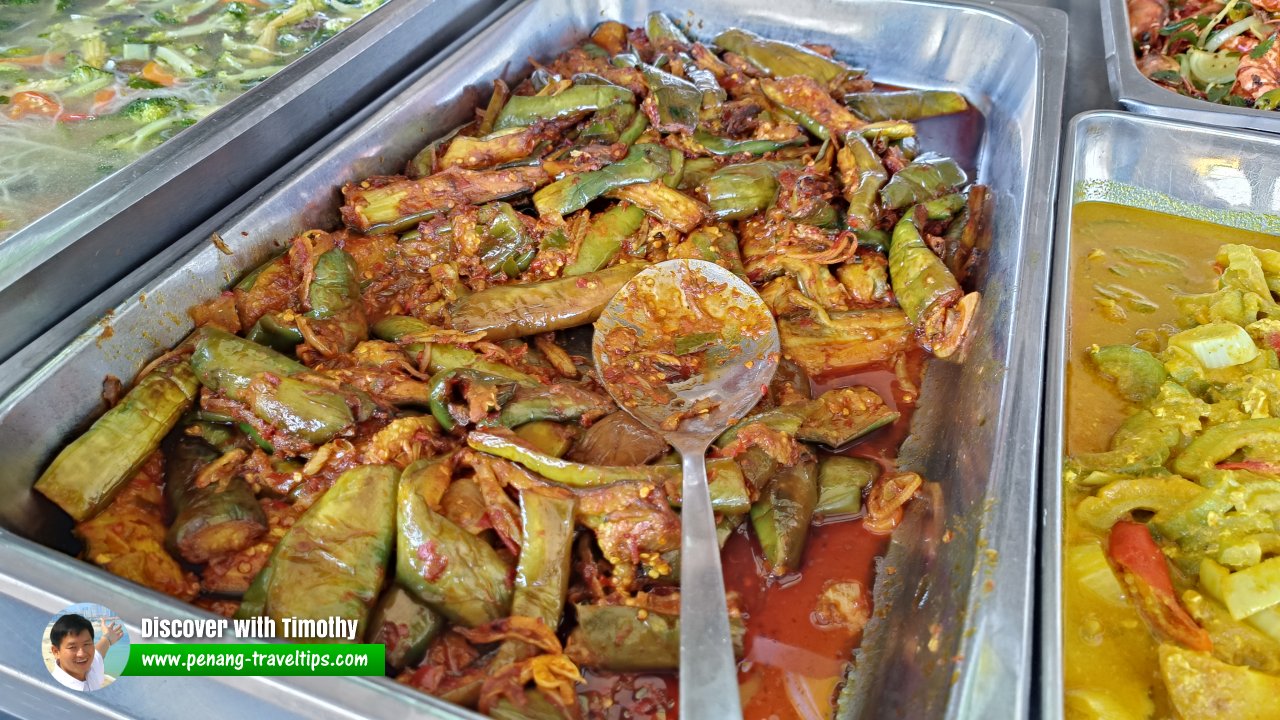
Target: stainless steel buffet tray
[[1222, 176], [953, 638], [1133, 91], [65, 258]]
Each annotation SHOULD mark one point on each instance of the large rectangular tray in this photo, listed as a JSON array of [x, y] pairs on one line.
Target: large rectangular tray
[[1135, 92], [1222, 176], [953, 637], [65, 258]]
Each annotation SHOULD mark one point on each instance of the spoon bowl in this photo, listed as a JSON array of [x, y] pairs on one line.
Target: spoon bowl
[[688, 348]]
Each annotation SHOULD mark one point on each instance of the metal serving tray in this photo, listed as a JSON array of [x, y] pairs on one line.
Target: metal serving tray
[[1222, 176], [953, 639], [65, 258], [1135, 92]]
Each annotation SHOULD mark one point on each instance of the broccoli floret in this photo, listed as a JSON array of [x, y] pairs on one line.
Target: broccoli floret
[[16, 3], [87, 79], [86, 74], [239, 10], [148, 110]]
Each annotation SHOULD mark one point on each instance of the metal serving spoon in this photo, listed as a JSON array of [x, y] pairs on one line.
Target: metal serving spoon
[[735, 373]]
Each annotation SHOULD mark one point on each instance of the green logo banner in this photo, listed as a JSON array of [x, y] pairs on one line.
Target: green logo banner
[[198, 659]]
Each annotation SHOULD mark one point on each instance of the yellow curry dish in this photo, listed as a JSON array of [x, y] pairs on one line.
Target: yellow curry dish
[[1172, 471]]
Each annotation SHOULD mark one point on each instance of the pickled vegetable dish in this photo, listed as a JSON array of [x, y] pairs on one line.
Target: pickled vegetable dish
[[1221, 52], [88, 86], [1171, 473], [394, 422]]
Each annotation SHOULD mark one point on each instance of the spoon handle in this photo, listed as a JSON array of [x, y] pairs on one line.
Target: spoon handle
[[708, 672]]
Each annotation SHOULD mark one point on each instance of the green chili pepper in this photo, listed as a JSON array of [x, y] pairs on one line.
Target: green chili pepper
[[943, 208], [542, 574], [337, 318], [219, 518], [261, 378], [401, 204], [560, 402], [861, 177], [696, 172], [523, 110], [676, 100], [618, 638], [536, 706], [809, 104], [840, 416], [442, 355], [670, 206], [86, 475], [305, 410], [603, 240], [715, 244], [275, 333], [510, 311], [404, 625], [782, 514], [458, 574], [920, 280], [930, 176], [425, 161], [845, 341], [725, 146], [660, 28], [334, 558], [609, 124], [495, 389], [643, 163], [724, 478], [548, 437], [736, 192], [499, 148], [841, 481], [638, 125], [889, 130], [509, 248], [782, 59], [905, 104]]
